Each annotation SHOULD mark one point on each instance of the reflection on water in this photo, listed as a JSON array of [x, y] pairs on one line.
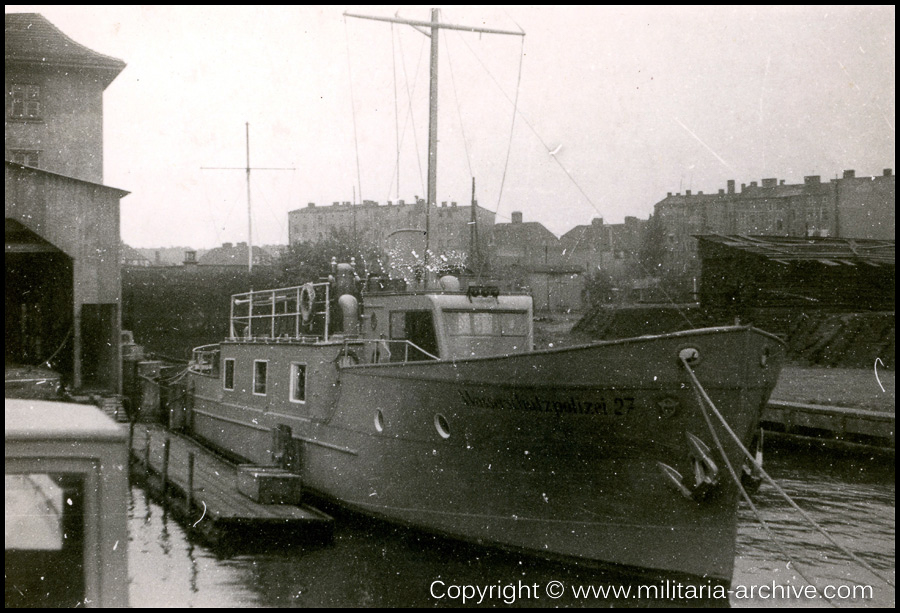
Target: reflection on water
[[374, 564]]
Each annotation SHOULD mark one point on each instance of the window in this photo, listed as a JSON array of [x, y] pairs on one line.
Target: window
[[45, 540], [259, 377], [24, 101], [228, 382], [26, 157], [486, 324], [298, 382]]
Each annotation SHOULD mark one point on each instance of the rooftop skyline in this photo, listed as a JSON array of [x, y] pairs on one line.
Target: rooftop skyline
[[631, 103]]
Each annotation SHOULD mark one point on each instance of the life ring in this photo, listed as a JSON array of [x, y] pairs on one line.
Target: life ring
[[307, 300]]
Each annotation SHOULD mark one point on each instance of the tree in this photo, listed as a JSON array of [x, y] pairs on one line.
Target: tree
[[308, 262]]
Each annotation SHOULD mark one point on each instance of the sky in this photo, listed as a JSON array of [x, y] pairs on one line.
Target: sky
[[595, 112]]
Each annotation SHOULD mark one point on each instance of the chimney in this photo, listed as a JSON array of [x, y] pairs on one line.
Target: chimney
[[517, 217], [849, 174], [770, 182], [781, 182], [452, 204], [444, 204], [668, 194], [887, 172], [730, 186], [158, 258], [754, 184], [597, 222], [687, 192], [812, 180], [311, 205], [721, 192], [743, 186], [227, 245]]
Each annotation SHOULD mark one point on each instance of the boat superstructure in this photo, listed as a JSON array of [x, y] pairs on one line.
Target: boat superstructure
[[432, 409]]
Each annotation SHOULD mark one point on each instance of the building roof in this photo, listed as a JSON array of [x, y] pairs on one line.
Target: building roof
[[521, 233], [131, 256], [31, 39], [828, 251], [234, 255]]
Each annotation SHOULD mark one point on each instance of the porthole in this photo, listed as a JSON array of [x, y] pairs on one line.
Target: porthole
[[442, 426], [379, 420]]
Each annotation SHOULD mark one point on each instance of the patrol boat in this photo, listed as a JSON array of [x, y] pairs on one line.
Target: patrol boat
[[428, 406], [431, 408]]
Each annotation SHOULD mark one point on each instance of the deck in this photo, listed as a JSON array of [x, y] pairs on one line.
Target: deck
[[209, 502]]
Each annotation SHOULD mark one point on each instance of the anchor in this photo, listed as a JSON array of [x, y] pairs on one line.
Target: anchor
[[751, 475], [705, 471]]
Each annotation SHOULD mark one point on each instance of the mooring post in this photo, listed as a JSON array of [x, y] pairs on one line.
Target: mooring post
[[147, 452], [190, 492], [165, 466]]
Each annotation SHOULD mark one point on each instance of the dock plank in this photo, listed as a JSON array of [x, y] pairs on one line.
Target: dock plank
[[215, 480]]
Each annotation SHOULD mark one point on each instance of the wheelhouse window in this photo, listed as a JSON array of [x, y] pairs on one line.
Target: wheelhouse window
[[298, 382], [462, 323], [260, 368], [228, 378], [24, 101]]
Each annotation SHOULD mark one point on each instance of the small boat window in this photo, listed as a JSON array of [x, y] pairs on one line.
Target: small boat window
[[298, 382], [259, 377], [228, 380]]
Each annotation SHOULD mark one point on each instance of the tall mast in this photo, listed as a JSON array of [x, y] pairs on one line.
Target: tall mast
[[249, 214], [432, 134], [435, 26], [247, 170]]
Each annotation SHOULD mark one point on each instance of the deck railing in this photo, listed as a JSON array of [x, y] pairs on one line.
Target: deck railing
[[279, 313]]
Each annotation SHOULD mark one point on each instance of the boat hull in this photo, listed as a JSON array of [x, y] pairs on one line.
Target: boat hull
[[554, 452]]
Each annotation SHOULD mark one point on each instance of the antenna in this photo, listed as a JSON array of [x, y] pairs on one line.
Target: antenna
[[247, 169]]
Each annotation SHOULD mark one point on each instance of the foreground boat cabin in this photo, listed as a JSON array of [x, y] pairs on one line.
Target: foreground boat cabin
[[66, 489]]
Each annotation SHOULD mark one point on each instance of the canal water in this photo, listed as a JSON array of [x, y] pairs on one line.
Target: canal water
[[371, 563]]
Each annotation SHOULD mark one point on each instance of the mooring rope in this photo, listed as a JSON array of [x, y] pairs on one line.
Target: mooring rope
[[698, 388], [746, 496]]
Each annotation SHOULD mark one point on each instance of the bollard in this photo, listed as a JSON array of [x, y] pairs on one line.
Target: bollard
[[147, 452], [190, 492], [165, 466]]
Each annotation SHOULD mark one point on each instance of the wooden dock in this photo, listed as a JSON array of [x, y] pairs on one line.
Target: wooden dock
[[200, 488], [834, 426]]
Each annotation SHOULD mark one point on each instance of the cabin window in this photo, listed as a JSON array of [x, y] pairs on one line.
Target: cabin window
[[228, 382], [260, 367], [44, 540], [460, 323], [298, 382]]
